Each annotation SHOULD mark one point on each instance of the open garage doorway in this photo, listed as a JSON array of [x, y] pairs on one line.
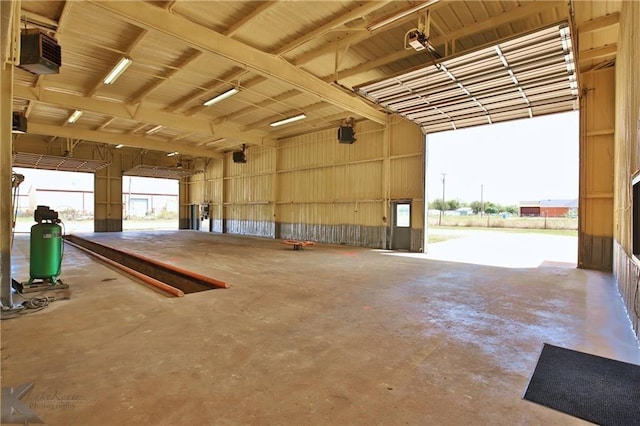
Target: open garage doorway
[[71, 194], [510, 87], [149, 203], [505, 194]]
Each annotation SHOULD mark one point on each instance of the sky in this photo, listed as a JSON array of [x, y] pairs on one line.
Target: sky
[[523, 160]]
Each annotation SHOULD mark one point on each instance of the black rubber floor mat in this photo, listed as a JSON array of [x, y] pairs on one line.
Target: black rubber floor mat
[[593, 388]]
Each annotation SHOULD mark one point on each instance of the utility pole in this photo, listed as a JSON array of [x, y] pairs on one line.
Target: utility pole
[[443, 203], [481, 199]]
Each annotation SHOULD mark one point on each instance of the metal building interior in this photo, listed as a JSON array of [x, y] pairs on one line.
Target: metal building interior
[[346, 332]]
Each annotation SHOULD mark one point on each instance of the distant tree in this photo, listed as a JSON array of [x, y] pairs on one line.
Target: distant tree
[[436, 204], [476, 206], [511, 209], [453, 205], [491, 208]]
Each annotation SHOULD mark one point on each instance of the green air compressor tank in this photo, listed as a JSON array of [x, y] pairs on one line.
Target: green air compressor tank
[[46, 251]]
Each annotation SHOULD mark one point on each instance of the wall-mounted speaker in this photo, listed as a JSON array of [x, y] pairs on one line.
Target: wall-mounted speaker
[[346, 134], [39, 53], [18, 123], [238, 157]]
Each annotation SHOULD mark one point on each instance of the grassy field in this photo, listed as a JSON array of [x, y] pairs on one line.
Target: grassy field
[[515, 222], [440, 232]]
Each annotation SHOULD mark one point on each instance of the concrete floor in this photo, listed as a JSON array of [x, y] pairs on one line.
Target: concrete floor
[[329, 335]]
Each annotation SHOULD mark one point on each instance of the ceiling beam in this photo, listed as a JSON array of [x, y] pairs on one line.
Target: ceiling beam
[[105, 124], [248, 18], [142, 113], [597, 53], [599, 23], [30, 105], [117, 139], [137, 129], [64, 16], [170, 4], [348, 16], [36, 18], [148, 16]]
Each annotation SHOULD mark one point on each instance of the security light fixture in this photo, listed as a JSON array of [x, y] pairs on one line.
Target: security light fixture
[[221, 97], [117, 71], [74, 116], [288, 120]]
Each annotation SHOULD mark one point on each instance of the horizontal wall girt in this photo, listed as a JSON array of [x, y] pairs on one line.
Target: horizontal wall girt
[[147, 16], [600, 23], [598, 52]]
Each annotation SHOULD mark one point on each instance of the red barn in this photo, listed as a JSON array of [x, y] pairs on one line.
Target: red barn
[[549, 208]]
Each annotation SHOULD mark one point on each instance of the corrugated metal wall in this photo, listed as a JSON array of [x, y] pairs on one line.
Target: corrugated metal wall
[[627, 157], [248, 194], [311, 187], [331, 192]]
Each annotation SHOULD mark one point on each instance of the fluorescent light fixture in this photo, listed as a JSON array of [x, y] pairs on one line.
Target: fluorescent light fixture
[[401, 15], [288, 120], [214, 142], [221, 96], [173, 154], [154, 129], [117, 71], [119, 146], [74, 117]]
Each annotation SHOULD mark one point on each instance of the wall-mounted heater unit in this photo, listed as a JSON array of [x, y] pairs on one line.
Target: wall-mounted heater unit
[[39, 53], [239, 157], [346, 132], [18, 123]]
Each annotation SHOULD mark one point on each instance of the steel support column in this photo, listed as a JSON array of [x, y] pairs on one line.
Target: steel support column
[[6, 147]]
